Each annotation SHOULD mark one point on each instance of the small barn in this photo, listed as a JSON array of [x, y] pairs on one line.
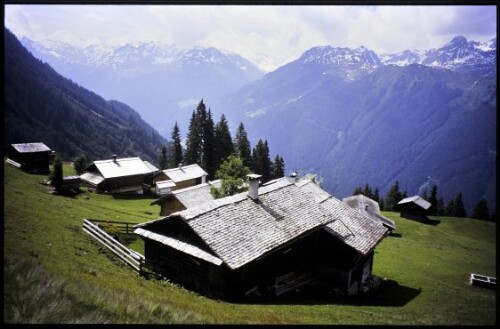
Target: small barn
[[265, 242], [125, 175], [70, 184], [30, 157], [185, 198], [181, 177], [414, 207], [370, 208]]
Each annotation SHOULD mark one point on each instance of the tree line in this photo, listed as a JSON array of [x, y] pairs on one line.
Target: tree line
[[210, 144], [454, 208]]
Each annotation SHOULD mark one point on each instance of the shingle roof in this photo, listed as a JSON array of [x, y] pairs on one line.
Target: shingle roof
[[123, 167], [416, 200], [31, 147], [239, 229], [189, 196], [92, 178], [184, 173], [196, 195], [165, 183], [369, 208]]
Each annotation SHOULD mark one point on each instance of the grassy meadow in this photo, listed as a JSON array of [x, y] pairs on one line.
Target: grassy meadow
[[55, 273]]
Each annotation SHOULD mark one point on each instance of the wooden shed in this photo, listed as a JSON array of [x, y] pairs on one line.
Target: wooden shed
[[125, 175], [185, 198], [265, 242], [414, 207], [30, 157], [370, 208], [182, 176]]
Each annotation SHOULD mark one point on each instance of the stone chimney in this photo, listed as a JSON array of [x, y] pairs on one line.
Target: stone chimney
[[293, 177], [114, 157], [253, 186]]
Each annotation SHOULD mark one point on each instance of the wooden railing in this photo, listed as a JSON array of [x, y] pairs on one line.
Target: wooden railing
[[129, 256], [124, 227]]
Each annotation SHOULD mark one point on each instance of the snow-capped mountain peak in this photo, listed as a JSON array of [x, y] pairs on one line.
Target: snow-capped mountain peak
[[459, 55]]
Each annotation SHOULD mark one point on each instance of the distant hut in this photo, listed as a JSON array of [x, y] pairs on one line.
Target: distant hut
[[180, 177], [370, 208], [125, 175], [185, 198], [70, 185], [30, 157], [414, 207]]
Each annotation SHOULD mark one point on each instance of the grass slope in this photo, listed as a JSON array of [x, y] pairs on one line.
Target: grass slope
[[55, 273]]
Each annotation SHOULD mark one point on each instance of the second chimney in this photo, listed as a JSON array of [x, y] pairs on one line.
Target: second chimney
[[253, 186]]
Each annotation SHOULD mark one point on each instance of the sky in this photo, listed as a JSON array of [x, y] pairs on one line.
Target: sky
[[268, 35]]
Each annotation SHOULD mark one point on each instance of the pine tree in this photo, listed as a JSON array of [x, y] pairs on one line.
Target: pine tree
[[261, 163], [56, 177], [440, 207], [449, 209], [223, 142], [208, 162], [163, 158], [367, 191], [357, 191], [79, 164], [193, 141], [242, 145], [393, 197], [433, 201], [176, 151], [376, 196], [481, 210], [459, 209], [381, 204], [278, 167]]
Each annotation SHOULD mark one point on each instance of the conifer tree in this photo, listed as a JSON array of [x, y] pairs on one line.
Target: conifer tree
[[393, 197], [376, 196], [56, 177], [261, 163], [223, 144], [459, 208], [278, 167], [440, 207], [242, 145], [433, 201], [357, 191], [449, 209], [208, 163], [193, 141], [79, 164], [176, 151], [381, 204], [163, 158], [481, 210], [367, 191]]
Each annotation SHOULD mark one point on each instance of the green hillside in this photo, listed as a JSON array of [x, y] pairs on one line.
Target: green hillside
[[55, 273]]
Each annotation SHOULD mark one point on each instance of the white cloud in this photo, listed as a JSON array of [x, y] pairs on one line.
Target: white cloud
[[269, 34]]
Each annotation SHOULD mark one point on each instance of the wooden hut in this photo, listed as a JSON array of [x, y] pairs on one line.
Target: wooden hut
[[181, 177], [30, 157], [125, 175], [185, 198], [267, 241], [414, 207]]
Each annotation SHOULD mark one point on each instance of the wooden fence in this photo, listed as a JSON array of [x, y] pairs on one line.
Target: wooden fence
[[129, 256]]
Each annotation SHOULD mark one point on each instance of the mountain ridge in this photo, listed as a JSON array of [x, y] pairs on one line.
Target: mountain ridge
[[43, 106]]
